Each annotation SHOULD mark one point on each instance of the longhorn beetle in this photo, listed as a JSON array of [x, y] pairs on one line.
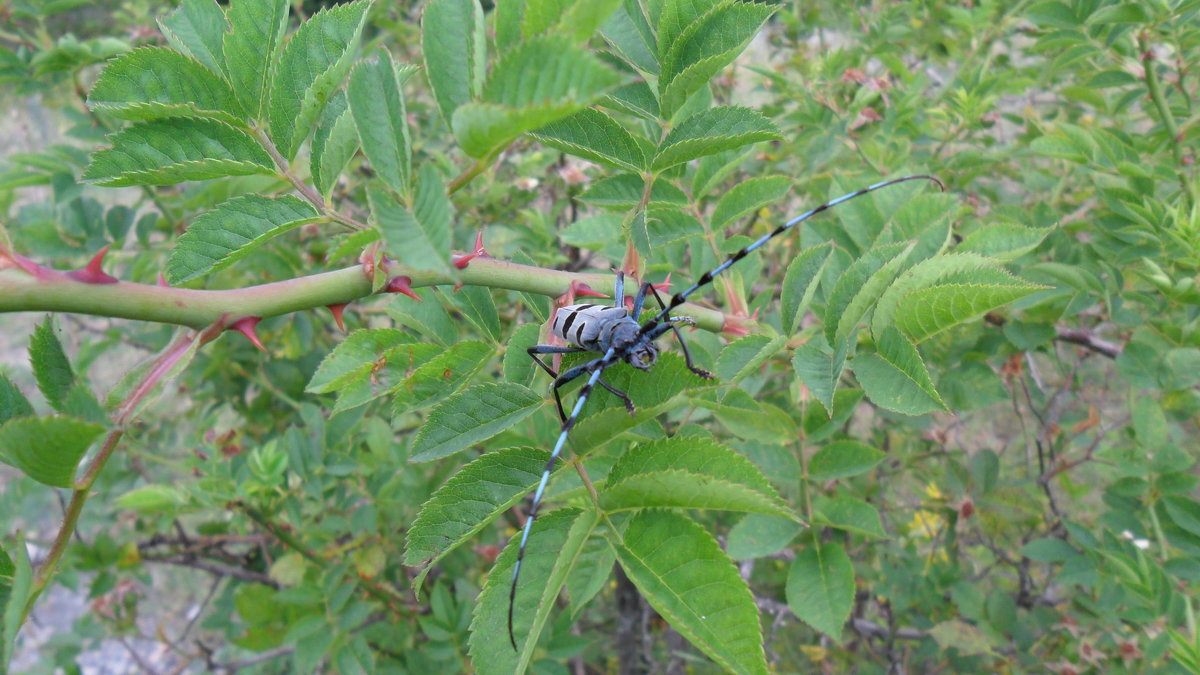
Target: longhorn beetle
[[616, 333]]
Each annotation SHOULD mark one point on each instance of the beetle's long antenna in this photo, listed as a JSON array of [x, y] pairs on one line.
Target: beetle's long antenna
[[707, 278]]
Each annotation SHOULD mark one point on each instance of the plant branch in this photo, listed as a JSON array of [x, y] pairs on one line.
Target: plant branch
[[47, 290], [1168, 120]]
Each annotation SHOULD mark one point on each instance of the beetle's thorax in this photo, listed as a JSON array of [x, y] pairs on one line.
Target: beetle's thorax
[[639, 350]]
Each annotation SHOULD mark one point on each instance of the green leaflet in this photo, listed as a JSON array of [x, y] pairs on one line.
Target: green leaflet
[[746, 355], [441, 376], [820, 368], [12, 402], [16, 585], [472, 498], [251, 48], [708, 43], [47, 449], [555, 545], [455, 47], [233, 230], [419, 238], [849, 514], [860, 286], [540, 81], [154, 82], [800, 285], [683, 573], [624, 191], [895, 377], [197, 28], [360, 350], [51, 368], [334, 144], [311, 66], [711, 131], [689, 472], [381, 117], [843, 459], [173, 150], [926, 312], [596, 137], [820, 586], [746, 197], [472, 416]]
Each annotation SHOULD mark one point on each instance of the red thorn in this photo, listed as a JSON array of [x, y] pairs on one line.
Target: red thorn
[[457, 287], [245, 326], [736, 326], [338, 309], [162, 281], [31, 268], [583, 290], [665, 286], [754, 315], [461, 260], [93, 273], [402, 284]]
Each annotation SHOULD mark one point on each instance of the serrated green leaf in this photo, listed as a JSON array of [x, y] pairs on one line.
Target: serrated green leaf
[[472, 416], [455, 47], [860, 287], [689, 472], [441, 376], [51, 368], [842, 459], [472, 498], [635, 99], [628, 31], [251, 47], [1005, 241], [684, 575], [640, 234], [334, 144], [582, 19], [233, 230], [311, 66], [390, 371], [554, 546], [377, 102], [624, 191], [478, 306], [849, 514], [419, 238], [746, 197], [820, 368], [155, 82], [173, 150], [428, 318], [518, 366], [711, 131], [15, 590], [12, 402], [746, 355], [752, 419], [895, 377], [197, 28], [47, 449], [922, 275], [800, 285], [596, 137], [540, 81], [704, 47], [666, 225], [154, 499], [361, 349], [929, 311], [758, 536], [820, 587]]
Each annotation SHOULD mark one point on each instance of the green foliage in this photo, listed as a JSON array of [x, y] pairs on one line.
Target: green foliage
[[944, 425]]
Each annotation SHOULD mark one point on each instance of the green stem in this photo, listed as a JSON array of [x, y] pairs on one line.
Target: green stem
[[49, 290], [1168, 120]]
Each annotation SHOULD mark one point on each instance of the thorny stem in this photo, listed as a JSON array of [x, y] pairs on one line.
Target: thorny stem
[[54, 291], [1168, 120]]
